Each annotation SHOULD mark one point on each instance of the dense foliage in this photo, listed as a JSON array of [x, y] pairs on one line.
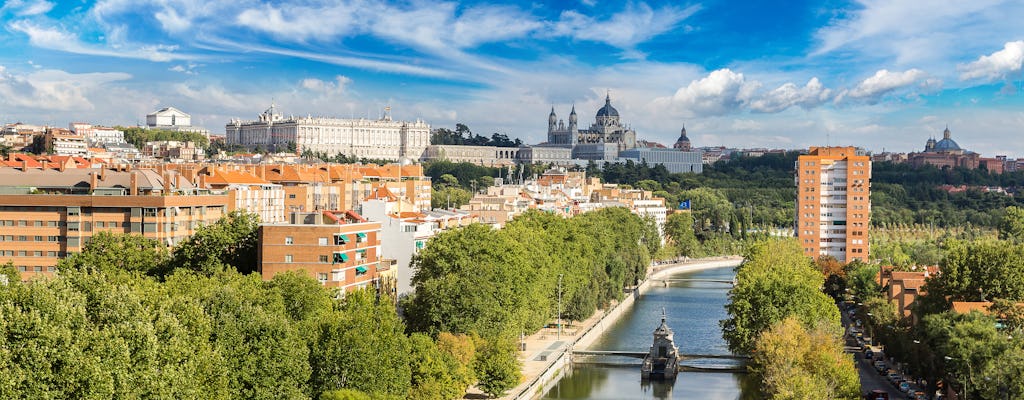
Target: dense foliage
[[795, 362], [138, 136], [779, 314], [501, 282], [463, 136]]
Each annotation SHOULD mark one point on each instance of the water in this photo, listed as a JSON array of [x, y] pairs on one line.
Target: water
[[693, 310]]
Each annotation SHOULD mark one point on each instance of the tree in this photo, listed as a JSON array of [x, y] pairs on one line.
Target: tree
[[1011, 226], [976, 271], [450, 197], [794, 362], [231, 241], [125, 252], [774, 282], [362, 346], [497, 367], [436, 374]]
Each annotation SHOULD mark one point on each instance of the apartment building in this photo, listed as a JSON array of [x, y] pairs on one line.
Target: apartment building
[[47, 214], [834, 202], [340, 249]]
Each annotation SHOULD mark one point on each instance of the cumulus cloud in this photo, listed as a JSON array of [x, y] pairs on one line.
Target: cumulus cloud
[[722, 91], [996, 65], [885, 81], [625, 29], [788, 95]]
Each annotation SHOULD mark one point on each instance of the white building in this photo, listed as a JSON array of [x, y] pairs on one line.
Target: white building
[[173, 119], [364, 138], [674, 160], [97, 134]]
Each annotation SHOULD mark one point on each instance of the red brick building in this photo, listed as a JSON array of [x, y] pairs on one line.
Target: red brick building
[[338, 248]]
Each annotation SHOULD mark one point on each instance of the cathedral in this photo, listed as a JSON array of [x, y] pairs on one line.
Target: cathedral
[[606, 129]]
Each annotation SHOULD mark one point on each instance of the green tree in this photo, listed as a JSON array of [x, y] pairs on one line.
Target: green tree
[[231, 241], [976, 271], [794, 362], [497, 367], [1011, 226], [774, 282], [125, 252], [449, 197], [436, 374], [362, 346]]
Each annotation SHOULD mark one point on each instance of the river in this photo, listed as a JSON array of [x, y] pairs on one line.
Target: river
[[693, 310]]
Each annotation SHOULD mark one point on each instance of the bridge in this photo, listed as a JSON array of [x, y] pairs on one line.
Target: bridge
[[601, 357], [642, 354], [666, 281]]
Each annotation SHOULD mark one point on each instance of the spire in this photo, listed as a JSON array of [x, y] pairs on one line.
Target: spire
[[946, 134], [573, 112], [608, 97]]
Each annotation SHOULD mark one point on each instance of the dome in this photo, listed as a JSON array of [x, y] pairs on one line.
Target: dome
[[608, 110], [946, 145]]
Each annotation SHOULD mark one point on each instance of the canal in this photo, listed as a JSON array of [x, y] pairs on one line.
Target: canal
[[693, 310]]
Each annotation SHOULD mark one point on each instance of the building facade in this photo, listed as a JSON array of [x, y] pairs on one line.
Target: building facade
[[337, 248], [382, 139], [834, 203], [47, 214], [674, 160], [173, 119]]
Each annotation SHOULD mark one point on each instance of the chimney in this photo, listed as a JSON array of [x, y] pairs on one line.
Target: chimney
[[202, 181], [178, 181], [103, 173], [24, 165], [60, 166], [93, 181], [167, 183], [133, 187], [45, 165]]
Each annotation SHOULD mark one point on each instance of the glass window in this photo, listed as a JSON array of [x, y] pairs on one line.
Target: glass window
[[287, 258], [288, 240], [324, 258], [323, 241]]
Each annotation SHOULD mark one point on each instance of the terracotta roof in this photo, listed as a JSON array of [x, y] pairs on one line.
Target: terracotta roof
[[382, 193], [913, 283], [902, 275], [225, 177], [964, 307]]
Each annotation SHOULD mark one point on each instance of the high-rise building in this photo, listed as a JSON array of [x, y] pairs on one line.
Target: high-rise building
[[833, 203]]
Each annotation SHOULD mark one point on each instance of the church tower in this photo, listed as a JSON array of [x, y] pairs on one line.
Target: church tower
[[573, 126], [552, 125], [683, 143]]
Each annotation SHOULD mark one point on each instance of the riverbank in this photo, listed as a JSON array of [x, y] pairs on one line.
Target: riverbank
[[545, 356]]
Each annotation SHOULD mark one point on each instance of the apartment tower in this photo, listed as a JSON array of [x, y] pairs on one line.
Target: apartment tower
[[833, 204]]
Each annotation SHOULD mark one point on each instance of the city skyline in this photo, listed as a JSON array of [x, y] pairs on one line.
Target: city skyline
[[881, 75]]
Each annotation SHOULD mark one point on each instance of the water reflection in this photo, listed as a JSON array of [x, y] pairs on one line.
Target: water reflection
[[694, 309]]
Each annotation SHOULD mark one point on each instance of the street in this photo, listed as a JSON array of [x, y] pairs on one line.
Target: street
[[870, 379]]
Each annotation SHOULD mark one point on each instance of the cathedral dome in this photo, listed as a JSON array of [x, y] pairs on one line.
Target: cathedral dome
[[608, 110], [946, 145]]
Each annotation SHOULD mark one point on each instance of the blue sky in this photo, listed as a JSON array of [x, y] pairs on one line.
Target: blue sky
[[881, 74]]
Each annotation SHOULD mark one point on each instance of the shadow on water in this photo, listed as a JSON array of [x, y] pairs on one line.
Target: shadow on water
[[693, 309]]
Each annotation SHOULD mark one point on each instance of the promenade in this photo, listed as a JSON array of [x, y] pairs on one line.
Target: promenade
[[545, 349]]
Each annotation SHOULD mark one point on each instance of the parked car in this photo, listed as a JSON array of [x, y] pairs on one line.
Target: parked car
[[868, 354], [905, 386], [893, 376], [877, 394], [880, 366], [919, 395]]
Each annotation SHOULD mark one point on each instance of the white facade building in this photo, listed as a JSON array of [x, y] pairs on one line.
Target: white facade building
[[173, 119], [97, 134], [265, 200], [364, 138]]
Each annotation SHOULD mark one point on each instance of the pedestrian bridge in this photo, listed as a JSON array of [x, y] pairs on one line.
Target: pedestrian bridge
[[666, 281], [614, 358]]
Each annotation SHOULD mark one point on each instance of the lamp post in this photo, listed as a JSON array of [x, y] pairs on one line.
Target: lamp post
[[559, 335]]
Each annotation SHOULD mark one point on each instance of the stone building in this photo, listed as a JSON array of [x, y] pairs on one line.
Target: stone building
[[605, 135]]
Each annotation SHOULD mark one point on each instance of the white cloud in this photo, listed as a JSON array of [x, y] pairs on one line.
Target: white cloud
[[884, 82], [997, 65], [722, 91], [300, 23], [329, 87], [24, 8], [53, 90], [811, 95], [625, 29], [488, 24], [917, 35], [56, 39]]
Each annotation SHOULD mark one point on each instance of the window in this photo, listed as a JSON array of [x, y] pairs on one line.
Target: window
[[291, 196], [22, 238], [288, 240], [39, 238], [100, 224], [149, 212], [287, 258], [322, 241], [324, 258], [340, 239], [322, 277]]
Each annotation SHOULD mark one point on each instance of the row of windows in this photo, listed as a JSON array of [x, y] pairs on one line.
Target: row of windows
[[24, 253], [26, 238], [22, 268], [359, 256], [339, 239]]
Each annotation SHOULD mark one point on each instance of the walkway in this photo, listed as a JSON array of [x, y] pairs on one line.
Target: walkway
[[544, 346]]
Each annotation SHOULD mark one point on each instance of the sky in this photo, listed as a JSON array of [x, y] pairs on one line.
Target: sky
[[879, 74]]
